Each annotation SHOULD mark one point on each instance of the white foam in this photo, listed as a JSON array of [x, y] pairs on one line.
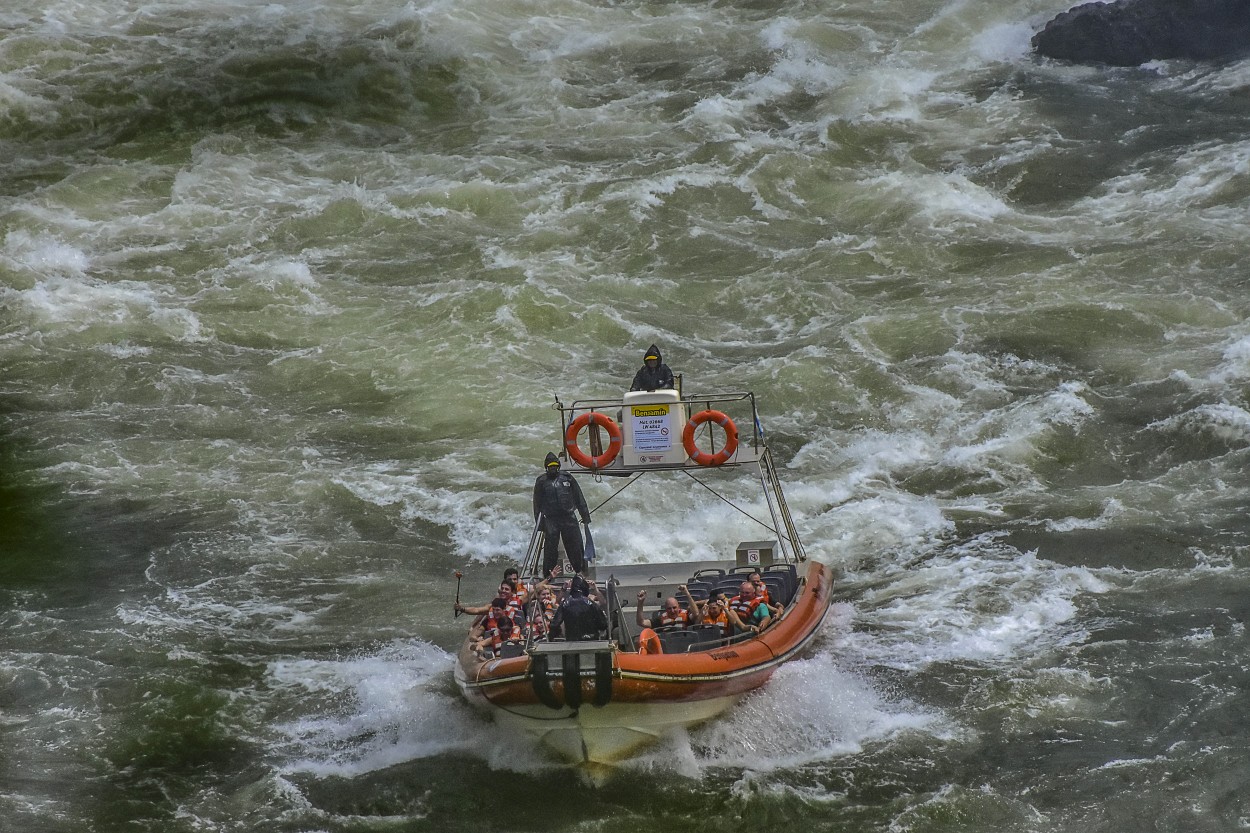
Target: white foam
[[976, 601], [393, 708], [941, 201], [82, 303], [1112, 510], [1229, 423], [1005, 42], [1202, 190], [889, 93], [1235, 364], [43, 255], [811, 710], [867, 527], [1012, 434], [65, 296]]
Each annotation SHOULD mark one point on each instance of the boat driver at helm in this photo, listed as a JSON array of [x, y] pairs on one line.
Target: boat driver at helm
[[654, 373], [577, 617], [558, 500]]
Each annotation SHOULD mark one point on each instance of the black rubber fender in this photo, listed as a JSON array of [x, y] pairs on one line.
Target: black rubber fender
[[542, 683], [573, 681], [603, 678]]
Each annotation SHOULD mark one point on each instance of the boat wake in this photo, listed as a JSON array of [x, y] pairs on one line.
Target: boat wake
[[398, 705], [387, 708]]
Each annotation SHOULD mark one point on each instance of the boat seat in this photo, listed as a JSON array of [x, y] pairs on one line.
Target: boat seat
[[677, 641], [511, 649], [730, 586], [700, 590], [777, 589], [743, 570], [708, 573], [708, 634], [788, 574]]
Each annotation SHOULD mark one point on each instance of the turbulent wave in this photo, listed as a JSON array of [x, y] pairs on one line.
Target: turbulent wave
[[286, 292]]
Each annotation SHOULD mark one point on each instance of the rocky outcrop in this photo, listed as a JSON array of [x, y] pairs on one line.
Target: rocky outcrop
[[1132, 32]]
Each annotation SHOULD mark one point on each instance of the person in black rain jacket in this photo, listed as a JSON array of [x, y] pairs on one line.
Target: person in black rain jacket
[[559, 500], [654, 373], [577, 617]]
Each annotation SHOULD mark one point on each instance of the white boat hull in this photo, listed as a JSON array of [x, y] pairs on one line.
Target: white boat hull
[[610, 734]]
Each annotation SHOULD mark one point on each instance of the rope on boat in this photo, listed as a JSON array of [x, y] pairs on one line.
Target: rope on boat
[[632, 480], [730, 502]]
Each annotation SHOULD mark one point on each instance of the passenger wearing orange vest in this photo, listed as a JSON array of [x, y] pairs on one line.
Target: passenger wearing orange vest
[[522, 591], [497, 627], [761, 589], [506, 592], [714, 613], [775, 608], [672, 614], [544, 611], [749, 612]]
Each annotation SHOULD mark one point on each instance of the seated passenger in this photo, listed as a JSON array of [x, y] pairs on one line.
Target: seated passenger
[[513, 576], [761, 588], [747, 610], [775, 608], [714, 613], [672, 614], [496, 627], [544, 611], [577, 617], [506, 592]]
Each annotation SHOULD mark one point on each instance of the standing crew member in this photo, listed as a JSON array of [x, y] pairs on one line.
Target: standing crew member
[[558, 498], [654, 373], [577, 617]]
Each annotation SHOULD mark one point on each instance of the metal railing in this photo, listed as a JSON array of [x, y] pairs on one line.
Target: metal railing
[[615, 408]]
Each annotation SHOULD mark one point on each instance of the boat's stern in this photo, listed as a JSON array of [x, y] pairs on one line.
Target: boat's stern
[[571, 674]]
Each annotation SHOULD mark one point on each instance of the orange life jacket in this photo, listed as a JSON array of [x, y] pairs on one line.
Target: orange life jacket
[[681, 617], [542, 620], [745, 609], [496, 627], [721, 619]]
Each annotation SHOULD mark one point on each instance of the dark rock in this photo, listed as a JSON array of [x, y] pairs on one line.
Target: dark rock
[[1132, 32]]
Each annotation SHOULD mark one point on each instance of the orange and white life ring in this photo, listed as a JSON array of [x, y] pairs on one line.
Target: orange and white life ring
[[582, 458], [702, 457], [649, 642]]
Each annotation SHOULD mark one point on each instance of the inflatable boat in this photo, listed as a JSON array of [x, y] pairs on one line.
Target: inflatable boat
[[598, 701]]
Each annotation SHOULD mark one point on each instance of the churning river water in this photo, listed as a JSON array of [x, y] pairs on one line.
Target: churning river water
[[286, 292]]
